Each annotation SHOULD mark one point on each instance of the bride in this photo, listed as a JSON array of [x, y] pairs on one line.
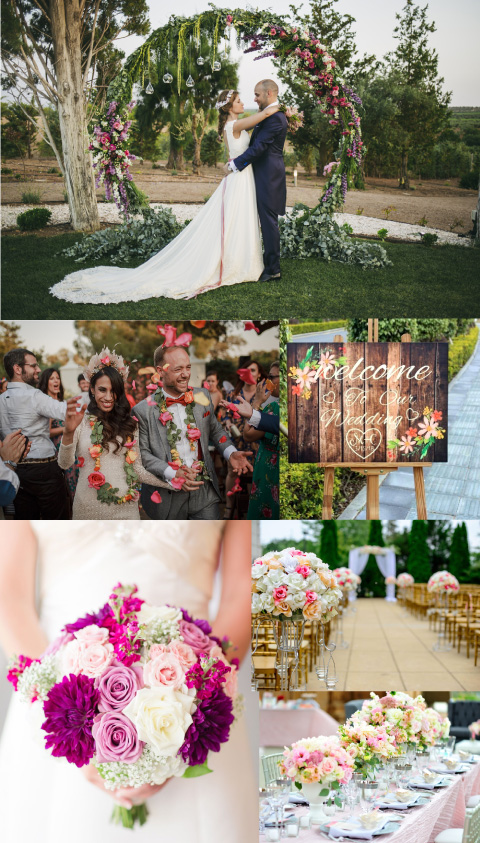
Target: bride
[[221, 246], [103, 439], [75, 566]]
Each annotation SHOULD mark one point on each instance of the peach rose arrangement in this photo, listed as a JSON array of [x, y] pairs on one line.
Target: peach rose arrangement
[[291, 584], [320, 760], [404, 580], [346, 579], [144, 693], [442, 581]]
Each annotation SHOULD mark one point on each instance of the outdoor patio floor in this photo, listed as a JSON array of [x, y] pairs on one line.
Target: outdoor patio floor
[[390, 649]]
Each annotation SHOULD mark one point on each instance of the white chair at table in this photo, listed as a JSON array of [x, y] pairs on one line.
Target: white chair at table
[[470, 833], [270, 767]]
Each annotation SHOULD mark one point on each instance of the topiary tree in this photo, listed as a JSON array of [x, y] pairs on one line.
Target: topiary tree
[[418, 562], [329, 543], [373, 581]]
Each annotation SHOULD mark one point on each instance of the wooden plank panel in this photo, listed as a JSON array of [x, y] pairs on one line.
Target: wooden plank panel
[[441, 398], [376, 357], [392, 402], [330, 409], [421, 355], [354, 406], [293, 453]]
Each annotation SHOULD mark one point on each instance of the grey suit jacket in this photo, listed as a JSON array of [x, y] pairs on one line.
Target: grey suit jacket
[[156, 453]]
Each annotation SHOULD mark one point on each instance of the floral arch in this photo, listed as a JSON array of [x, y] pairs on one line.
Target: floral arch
[[256, 31], [386, 561]]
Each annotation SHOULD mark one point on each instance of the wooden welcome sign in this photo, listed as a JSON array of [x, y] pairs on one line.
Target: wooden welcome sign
[[367, 402]]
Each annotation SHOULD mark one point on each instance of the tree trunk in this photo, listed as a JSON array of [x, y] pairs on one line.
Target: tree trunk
[[404, 182], [79, 176]]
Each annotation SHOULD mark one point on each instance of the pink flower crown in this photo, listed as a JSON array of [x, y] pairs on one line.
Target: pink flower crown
[[106, 358]]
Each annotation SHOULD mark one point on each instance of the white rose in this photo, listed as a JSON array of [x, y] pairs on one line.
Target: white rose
[[295, 582], [298, 600], [147, 614], [256, 604], [258, 571], [168, 768], [267, 602], [161, 717]]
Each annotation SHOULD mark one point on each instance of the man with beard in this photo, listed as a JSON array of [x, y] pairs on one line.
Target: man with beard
[[42, 492]]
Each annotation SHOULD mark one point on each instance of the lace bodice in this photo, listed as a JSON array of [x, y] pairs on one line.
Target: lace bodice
[[236, 146]]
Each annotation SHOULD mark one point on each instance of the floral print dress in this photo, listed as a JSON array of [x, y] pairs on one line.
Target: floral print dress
[[264, 500]]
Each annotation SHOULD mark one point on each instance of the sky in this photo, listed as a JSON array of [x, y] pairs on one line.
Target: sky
[[456, 38], [270, 530], [52, 335]]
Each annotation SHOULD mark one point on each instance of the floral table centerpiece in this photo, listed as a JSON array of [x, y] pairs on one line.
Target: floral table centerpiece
[[442, 581], [291, 587], [346, 579], [318, 766], [404, 580], [368, 744]]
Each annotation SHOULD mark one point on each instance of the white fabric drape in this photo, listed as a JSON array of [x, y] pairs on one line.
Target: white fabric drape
[[386, 561]]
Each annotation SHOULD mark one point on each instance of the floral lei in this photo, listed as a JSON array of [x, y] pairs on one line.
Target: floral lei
[[96, 480], [174, 432]]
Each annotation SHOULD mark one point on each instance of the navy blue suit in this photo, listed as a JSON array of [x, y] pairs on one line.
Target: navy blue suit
[[265, 154], [269, 423]]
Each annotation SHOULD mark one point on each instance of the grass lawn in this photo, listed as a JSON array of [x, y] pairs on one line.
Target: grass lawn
[[423, 282]]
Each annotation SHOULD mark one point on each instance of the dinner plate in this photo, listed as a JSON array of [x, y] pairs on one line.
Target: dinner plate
[[388, 828]]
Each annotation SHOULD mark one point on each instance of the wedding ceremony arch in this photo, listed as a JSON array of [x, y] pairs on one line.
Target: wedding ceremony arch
[[386, 561], [256, 31]]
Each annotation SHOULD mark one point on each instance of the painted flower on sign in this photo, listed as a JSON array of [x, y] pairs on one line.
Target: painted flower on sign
[[417, 440]]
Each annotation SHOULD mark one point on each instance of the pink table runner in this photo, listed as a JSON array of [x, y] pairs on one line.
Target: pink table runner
[[421, 825], [282, 727]]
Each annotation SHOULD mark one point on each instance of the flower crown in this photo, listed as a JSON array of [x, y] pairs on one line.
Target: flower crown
[[219, 105], [106, 358]]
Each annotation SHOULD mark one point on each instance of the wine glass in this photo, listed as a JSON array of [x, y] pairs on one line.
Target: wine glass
[[264, 809]]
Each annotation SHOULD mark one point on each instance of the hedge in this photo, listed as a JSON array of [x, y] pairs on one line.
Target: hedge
[[460, 351], [315, 327]]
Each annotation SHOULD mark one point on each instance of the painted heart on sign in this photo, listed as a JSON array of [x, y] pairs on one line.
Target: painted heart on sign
[[368, 441]]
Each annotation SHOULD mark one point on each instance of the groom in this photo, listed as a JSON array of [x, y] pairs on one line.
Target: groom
[[182, 420], [265, 153]]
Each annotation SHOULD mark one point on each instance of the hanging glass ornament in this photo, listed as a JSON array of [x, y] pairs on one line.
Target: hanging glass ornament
[[216, 65], [190, 82], [149, 88], [200, 60], [168, 78]]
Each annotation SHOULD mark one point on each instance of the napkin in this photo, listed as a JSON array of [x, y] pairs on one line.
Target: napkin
[[401, 806], [423, 784], [353, 828], [441, 768], [297, 800]]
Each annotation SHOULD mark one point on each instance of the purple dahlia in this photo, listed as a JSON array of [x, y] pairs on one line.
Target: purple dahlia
[[70, 708], [210, 728], [91, 618]]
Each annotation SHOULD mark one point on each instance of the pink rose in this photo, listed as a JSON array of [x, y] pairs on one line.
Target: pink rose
[[95, 451], [165, 417], [193, 433], [183, 653], [328, 765], [93, 659], [70, 657], [295, 37], [280, 593], [105, 361], [163, 670], [195, 638], [157, 650], [304, 570], [231, 683], [311, 596], [96, 480], [92, 634]]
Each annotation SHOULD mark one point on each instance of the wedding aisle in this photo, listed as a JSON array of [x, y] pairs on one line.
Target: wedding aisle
[[390, 648]]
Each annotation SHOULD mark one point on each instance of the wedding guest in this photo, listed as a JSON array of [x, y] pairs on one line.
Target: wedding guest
[[103, 437], [84, 396], [42, 492], [212, 384], [50, 383], [175, 427], [246, 390], [12, 450]]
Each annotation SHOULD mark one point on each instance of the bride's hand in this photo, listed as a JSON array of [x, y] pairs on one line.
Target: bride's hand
[[271, 109], [124, 796], [74, 416]]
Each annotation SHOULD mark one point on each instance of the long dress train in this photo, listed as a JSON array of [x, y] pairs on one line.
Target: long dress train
[[221, 246]]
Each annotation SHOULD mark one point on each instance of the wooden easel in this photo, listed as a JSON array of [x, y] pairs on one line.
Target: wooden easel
[[374, 470]]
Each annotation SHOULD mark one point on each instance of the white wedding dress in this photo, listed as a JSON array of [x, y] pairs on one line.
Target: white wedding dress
[[221, 246], [47, 800]]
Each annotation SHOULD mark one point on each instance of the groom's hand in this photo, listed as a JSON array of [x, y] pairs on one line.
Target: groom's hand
[[189, 475], [238, 461]]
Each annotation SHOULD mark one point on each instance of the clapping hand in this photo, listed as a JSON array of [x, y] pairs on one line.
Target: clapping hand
[[13, 447], [240, 464], [261, 394], [242, 407]]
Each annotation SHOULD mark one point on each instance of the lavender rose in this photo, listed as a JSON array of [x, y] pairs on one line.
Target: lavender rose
[[116, 738], [195, 638], [118, 686]]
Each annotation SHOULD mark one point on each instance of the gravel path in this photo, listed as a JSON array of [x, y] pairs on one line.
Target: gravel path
[[361, 225]]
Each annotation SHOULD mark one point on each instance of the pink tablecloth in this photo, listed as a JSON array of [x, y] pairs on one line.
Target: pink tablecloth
[[282, 727], [421, 825]]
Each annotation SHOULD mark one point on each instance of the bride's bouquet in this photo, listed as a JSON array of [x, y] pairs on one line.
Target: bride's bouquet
[[142, 692], [294, 116]]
